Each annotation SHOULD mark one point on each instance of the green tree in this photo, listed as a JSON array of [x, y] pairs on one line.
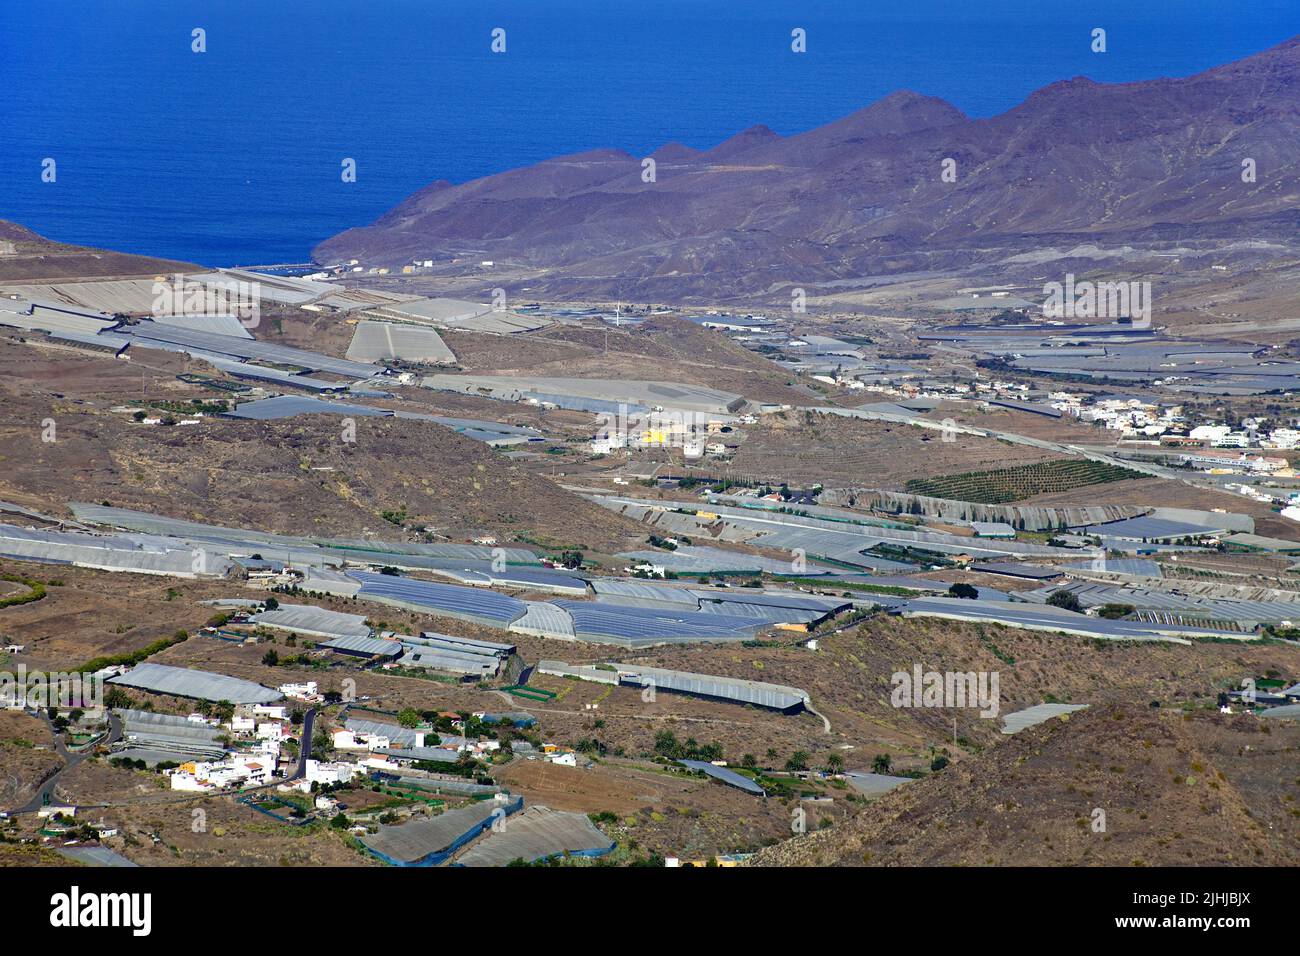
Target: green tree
[[798, 761], [409, 717], [666, 745], [322, 745], [1114, 612], [881, 763], [1065, 599], [116, 699]]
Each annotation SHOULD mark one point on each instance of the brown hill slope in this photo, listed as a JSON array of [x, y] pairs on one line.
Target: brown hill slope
[[26, 256], [849, 678], [664, 348], [1078, 160], [289, 476], [1168, 785]]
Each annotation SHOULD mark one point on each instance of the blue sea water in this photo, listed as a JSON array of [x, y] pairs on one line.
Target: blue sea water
[[233, 156]]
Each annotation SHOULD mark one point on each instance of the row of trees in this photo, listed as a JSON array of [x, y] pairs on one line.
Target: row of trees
[[667, 745]]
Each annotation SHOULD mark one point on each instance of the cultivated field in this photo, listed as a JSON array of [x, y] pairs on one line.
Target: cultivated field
[[1002, 485]]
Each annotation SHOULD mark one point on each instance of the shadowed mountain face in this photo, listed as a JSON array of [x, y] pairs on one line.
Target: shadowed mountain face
[[865, 195]]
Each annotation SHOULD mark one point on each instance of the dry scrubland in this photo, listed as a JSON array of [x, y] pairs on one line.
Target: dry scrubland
[[843, 452], [1034, 776], [90, 614], [27, 757], [1065, 429], [663, 348], [28, 257], [235, 835], [1179, 782], [293, 476], [1175, 789]]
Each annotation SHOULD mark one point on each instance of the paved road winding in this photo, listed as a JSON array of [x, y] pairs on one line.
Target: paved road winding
[[70, 760]]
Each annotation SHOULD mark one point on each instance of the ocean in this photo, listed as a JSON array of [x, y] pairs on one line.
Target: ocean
[[233, 156]]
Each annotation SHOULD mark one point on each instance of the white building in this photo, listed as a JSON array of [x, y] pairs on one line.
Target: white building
[[349, 740], [1210, 433], [604, 445], [189, 782], [250, 769], [318, 771], [1283, 438], [304, 691], [255, 771]]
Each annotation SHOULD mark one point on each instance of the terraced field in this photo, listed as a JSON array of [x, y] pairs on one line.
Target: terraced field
[[1001, 485]]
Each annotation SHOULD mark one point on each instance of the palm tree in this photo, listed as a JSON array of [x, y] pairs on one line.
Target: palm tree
[[834, 763], [880, 764]]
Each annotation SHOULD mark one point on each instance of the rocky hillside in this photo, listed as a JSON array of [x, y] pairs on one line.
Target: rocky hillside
[[293, 476], [1174, 790], [1077, 161]]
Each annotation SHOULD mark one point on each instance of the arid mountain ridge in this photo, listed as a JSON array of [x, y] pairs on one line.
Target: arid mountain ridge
[[1077, 161]]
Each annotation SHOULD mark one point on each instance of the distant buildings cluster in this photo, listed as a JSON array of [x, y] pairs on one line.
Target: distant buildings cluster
[[257, 733], [1218, 448]]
